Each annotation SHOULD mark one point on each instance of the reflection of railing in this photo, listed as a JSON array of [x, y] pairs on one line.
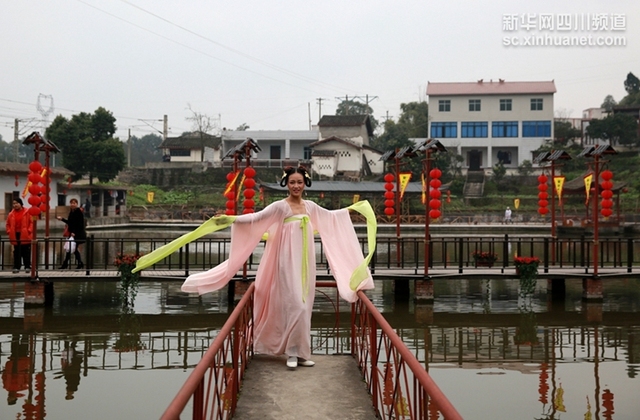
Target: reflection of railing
[[215, 382], [398, 383]]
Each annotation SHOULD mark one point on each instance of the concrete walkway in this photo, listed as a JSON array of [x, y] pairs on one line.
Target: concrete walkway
[[332, 389]]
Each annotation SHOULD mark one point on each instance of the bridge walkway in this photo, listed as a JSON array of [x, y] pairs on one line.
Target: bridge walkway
[[332, 389]]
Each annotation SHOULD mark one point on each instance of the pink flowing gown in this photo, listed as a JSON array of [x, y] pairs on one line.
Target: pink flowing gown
[[285, 280]]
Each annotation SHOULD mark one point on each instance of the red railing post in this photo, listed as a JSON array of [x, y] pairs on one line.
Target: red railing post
[[373, 345]]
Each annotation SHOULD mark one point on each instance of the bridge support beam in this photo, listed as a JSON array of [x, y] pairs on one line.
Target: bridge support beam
[[592, 289], [38, 293], [237, 289], [556, 289], [424, 291], [424, 313], [401, 290], [592, 311]]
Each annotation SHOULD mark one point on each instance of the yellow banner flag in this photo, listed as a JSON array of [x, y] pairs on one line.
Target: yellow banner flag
[[231, 183], [558, 181], [150, 196], [240, 187], [588, 179], [424, 189], [404, 177], [356, 198], [26, 187], [516, 203]]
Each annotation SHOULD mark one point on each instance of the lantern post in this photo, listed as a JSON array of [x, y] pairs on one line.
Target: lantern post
[[596, 152], [552, 157], [429, 146]]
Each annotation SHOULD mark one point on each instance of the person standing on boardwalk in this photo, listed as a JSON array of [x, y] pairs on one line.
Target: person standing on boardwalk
[[286, 276], [507, 216], [75, 224], [18, 227]]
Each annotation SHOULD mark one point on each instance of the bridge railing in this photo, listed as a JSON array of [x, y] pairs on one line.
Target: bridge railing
[[214, 384], [405, 252], [399, 385]]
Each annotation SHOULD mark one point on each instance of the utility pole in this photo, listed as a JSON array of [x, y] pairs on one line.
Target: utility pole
[[129, 153], [165, 129], [15, 136], [320, 107]]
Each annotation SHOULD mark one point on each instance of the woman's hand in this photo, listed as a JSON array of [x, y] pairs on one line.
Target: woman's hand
[[59, 218]]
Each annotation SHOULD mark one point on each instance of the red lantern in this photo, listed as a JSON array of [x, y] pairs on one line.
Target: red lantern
[[34, 200], [249, 182], [448, 196], [231, 204], [34, 211], [389, 195], [35, 178], [231, 176], [249, 193], [35, 166], [247, 211], [435, 193], [607, 185], [17, 180], [249, 172], [230, 195], [34, 189], [229, 212], [543, 195], [43, 207], [248, 203]]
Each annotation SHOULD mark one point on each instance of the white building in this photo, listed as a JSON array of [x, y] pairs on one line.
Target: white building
[[278, 147], [491, 121], [192, 147]]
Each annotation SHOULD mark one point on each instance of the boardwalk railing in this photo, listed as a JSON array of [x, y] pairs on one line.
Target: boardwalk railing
[[399, 385], [405, 252], [214, 384]]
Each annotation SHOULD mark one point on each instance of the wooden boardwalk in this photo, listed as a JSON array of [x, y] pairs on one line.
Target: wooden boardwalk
[[450, 273]]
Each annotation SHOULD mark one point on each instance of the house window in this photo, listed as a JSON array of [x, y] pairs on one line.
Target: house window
[[504, 157], [180, 152], [444, 105], [505, 104], [536, 104], [306, 153], [275, 152], [444, 130], [474, 105], [536, 128], [504, 129], [474, 129]]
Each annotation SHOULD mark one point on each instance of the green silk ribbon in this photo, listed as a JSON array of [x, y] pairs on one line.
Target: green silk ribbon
[[212, 225], [361, 273]]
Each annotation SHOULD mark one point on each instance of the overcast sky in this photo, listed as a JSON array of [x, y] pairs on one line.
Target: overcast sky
[[266, 63]]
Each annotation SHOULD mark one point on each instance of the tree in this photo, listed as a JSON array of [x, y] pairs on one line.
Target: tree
[[415, 115], [618, 129], [243, 127], [87, 144], [564, 133], [202, 124], [351, 107], [608, 103], [145, 149], [632, 84]]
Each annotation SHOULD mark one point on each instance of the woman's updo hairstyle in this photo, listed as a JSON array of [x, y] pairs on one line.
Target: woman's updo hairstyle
[[290, 170]]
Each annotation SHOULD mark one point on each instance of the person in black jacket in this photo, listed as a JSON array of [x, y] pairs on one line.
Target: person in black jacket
[[75, 224]]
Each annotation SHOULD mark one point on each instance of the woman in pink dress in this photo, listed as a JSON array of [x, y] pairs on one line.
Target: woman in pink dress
[[285, 280]]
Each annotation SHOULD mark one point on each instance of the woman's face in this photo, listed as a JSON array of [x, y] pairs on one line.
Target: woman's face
[[17, 206], [295, 185], [73, 204]]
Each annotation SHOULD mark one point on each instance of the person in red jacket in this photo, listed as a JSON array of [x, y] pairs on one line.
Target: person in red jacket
[[18, 228]]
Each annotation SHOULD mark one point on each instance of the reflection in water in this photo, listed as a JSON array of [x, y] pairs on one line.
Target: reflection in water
[[492, 352]]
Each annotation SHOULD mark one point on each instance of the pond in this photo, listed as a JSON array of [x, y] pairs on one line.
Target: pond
[[493, 352]]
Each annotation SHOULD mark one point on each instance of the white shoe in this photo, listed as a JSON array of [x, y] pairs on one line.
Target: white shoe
[[292, 362], [305, 363]]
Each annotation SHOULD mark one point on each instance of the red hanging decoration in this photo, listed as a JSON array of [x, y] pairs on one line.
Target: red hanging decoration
[[389, 195], [35, 166], [17, 180], [605, 192], [543, 195], [249, 192], [435, 193]]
